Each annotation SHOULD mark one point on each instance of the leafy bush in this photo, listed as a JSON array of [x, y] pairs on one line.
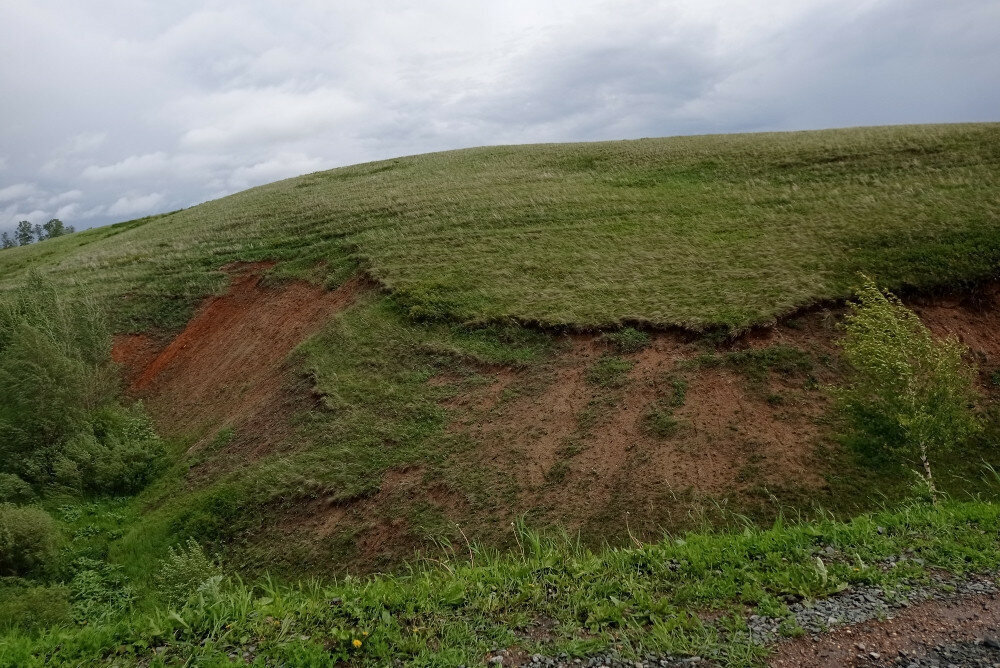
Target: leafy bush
[[28, 539], [186, 570], [60, 419], [13, 489], [27, 606], [99, 591], [915, 394]]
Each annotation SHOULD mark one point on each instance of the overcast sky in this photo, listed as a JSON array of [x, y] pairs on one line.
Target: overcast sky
[[114, 109]]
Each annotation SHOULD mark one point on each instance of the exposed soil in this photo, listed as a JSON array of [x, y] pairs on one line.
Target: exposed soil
[[551, 441], [580, 450], [910, 635], [374, 532], [227, 368], [584, 456]]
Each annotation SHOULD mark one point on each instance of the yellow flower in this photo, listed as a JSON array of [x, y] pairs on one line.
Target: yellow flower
[[356, 643]]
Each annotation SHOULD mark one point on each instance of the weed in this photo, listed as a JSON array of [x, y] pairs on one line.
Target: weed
[[626, 341], [660, 422], [610, 371]]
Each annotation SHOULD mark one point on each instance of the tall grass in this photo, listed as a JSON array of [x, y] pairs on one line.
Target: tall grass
[[455, 611], [61, 423]]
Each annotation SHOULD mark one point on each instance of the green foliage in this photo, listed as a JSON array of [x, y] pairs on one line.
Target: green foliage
[[29, 539], [14, 490], [186, 571], [610, 371], [60, 421], [99, 591], [626, 341], [912, 393], [26, 606]]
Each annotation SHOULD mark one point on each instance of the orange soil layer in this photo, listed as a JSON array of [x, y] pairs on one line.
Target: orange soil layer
[[227, 368]]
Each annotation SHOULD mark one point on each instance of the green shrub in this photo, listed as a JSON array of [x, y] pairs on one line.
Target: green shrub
[[14, 490], [99, 591], [27, 607], [29, 539], [61, 422], [915, 395], [186, 570]]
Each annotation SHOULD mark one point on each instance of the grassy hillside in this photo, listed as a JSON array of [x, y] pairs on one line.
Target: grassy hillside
[[414, 424], [727, 230]]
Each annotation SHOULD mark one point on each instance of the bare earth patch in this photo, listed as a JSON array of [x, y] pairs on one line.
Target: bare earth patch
[[911, 634], [227, 368]]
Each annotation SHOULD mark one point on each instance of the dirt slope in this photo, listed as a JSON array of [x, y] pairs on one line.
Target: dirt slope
[[550, 441], [227, 368]]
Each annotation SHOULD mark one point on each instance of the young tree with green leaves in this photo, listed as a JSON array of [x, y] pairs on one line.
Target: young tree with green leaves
[[915, 393], [25, 233]]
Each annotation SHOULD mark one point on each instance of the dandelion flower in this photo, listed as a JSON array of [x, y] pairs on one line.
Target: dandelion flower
[[356, 643]]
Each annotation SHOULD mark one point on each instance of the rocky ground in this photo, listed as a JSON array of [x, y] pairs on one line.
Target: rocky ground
[[946, 623]]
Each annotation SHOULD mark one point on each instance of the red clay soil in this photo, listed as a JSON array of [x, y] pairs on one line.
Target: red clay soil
[[915, 631], [573, 446], [227, 368], [581, 453]]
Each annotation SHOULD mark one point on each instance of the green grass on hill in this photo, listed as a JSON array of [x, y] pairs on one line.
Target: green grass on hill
[[724, 230]]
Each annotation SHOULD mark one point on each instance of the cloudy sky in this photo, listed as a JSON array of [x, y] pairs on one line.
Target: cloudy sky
[[114, 109]]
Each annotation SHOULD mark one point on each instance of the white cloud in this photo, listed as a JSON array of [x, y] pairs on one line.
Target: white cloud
[[18, 191], [279, 167], [86, 142], [263, 115], [68, 196], [68, 211], [132, 167], [131, 205]]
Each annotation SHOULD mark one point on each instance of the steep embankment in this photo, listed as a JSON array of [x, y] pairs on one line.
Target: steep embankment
[[227, 368], [616, 436]]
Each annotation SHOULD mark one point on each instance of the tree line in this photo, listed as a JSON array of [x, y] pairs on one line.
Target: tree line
[[26, 233]]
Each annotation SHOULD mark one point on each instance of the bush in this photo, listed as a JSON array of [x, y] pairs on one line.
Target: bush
[[914, 394], [99, 591], [27, 607], [60, 419], [14, 490], [29, 539], [185, 571]]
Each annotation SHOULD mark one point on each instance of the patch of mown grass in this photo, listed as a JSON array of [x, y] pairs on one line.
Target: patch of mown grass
[[455, 611], [583, 235]]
